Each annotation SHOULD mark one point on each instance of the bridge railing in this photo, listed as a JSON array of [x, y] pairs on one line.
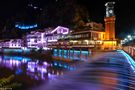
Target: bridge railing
[[130, 50]]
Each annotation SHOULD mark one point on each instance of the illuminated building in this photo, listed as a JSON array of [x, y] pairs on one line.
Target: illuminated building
[[77, 44], [52, 36], [35, 39], [82, 38], [31, 40], [110, 21], [87, 38], [12, 43], [94, 37], [110, 40]]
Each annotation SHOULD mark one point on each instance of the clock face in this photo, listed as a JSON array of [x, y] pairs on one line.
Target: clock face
[[110, 11]]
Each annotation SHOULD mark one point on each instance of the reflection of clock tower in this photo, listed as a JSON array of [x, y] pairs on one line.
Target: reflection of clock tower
[[110, 21]]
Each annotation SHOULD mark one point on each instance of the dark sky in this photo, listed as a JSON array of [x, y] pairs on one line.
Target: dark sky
[[124, 10]]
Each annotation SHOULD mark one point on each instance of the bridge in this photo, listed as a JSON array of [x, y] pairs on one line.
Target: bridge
[[113, 70]]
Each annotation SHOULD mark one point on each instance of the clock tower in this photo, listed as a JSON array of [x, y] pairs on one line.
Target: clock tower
[[110, 21]]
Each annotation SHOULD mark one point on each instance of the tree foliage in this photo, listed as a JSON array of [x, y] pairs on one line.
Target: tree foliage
[[64, 12], [8, 82]]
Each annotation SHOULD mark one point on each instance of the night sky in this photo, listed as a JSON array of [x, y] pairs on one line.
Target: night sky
[[124, 10]]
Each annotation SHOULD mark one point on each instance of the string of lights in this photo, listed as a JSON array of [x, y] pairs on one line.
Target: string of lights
[[34, 7], [23, 26], [128, 39]]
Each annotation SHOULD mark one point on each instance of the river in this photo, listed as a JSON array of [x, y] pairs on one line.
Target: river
[[32, 72]]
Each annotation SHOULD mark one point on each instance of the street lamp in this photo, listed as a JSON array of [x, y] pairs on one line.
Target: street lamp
[[129, 36], [125, 40]]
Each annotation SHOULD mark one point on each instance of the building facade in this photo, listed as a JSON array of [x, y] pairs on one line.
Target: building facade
[[110, 41], [12, 43], [35, 39], [92, 37], [52, 36], [95, 37]]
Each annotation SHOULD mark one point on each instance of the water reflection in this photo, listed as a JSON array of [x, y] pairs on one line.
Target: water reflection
[[14, 61], [66, 66], [107, 71], [27, 69], [72, 54]]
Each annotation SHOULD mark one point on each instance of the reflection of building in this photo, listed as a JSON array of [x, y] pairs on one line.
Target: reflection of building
[[13, 61], [26, 67]]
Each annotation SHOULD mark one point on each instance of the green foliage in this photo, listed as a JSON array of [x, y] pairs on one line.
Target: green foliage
[[8, 82]]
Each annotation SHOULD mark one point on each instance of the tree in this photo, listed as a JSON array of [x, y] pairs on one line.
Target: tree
[[63, 12], [14, 33]]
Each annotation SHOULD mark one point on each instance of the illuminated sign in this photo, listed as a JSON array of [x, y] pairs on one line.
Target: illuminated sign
[[26, 26]]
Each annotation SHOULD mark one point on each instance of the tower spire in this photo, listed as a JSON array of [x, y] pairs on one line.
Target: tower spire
[[110, 9], [110, 21]]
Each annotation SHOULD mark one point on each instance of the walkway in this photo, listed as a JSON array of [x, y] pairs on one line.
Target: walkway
[[108, 71]]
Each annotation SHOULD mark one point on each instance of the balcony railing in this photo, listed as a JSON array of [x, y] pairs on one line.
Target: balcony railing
[[71, 45]]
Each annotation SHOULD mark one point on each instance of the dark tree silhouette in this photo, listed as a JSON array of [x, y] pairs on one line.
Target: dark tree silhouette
[[63, 12]]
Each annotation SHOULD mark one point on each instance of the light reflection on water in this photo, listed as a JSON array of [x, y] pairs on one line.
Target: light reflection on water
[[29, 71], [108, 71], [72, 54]]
